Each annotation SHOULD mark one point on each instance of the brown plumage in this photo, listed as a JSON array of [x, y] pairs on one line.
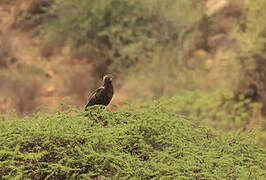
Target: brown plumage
[[103, 94]]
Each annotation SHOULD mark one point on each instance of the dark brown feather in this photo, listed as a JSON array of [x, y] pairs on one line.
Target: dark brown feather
[[102, 95]]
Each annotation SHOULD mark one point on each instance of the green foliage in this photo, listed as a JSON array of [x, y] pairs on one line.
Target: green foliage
[[253, 38], [218, 108], [120, 32], [141, 144], [108, 28], [36, 13], [251, 41]]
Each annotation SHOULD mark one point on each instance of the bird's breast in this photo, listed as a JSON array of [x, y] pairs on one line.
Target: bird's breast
[[109, 90]]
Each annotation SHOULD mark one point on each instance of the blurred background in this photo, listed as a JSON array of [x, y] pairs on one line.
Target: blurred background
[[205, 59]]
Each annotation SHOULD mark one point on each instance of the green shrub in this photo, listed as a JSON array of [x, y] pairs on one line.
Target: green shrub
[[118, 33], [141, 144], [217, 108], [110, 29], [34, 13], [250, 36]]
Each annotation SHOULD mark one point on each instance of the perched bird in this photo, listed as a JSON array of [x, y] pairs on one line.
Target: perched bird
[[103, 94]]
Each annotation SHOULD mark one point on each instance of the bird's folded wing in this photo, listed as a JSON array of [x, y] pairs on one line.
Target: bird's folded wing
[[95, 93], [93, 96]]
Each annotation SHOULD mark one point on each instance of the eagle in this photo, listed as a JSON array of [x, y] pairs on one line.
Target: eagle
[[102, 95]]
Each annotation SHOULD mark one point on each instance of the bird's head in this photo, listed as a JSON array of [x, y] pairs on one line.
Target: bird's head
[[107, 78]]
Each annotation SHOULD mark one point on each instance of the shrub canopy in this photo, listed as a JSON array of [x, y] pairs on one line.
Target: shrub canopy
[[143, 144]]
